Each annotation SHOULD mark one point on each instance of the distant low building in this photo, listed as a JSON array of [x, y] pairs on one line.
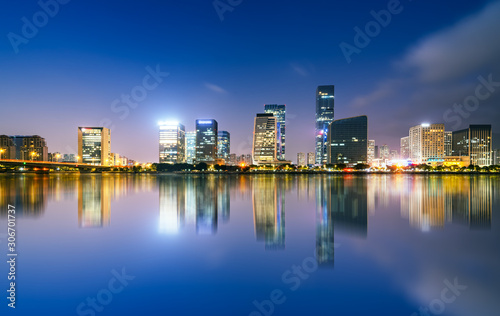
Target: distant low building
[[311, 158], [7, 147], [34, 148], [301, 159]]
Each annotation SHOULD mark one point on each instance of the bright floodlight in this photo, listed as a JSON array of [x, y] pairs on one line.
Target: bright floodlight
[[426, 124]]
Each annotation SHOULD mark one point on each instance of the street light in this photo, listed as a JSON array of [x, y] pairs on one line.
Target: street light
[[57, 157], [1, 152], [33, 153]]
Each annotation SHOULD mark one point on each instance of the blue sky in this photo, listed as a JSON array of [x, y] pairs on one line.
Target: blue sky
[[90, 53]]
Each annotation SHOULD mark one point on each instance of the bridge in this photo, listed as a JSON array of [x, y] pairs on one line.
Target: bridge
[[48, 165]]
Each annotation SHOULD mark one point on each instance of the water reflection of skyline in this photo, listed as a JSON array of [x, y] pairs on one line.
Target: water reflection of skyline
[[427, 202], [431, 202]]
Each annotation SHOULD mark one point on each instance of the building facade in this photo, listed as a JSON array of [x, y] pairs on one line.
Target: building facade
[[301, 159], [94, 146], [224, 145], [266, 139], [34, 148], [206, 140], [325, 105], [371, 151], [348, 141], [7, 147], [172, 143], [311, 158], [190, 147], [279, 111], [448, 144], [474, 142], [405, 147], [426, 143]]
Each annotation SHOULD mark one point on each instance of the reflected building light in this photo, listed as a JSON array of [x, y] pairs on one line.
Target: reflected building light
[[325, 247], [172, 205], [94, 203], [269, 212]]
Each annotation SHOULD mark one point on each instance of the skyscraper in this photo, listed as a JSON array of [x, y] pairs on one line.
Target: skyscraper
[[223, 145], [371, 151], [190, 147], [279, 111], [266, 139], [311, 158], [94, 145], [206, 140], [301, 159], [172, 142], [474, 142], [405, 147], [448, 143], [427, 143], [325, 101], [348, 141]]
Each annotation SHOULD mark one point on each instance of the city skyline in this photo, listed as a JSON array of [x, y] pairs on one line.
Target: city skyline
[[78, 77]]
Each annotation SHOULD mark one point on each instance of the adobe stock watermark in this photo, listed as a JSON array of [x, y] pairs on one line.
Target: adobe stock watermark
[[363, 38], [127, 102], [105, 296], [471, 103], [223, 6], [448, 295], [30, 28]]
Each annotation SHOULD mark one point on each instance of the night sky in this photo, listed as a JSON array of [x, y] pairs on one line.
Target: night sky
[[90, 53]]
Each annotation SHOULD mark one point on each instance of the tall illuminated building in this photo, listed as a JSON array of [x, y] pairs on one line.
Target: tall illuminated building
[[448, 144], [311, 158], [94, 145], [427, 143], [301, 159], [206, 140], [190, 147], [405, 147], [371, 151], [266, 139], [172, 143], [224, 145], [474, 142], [325, 101], [348, 141], [279, 111]]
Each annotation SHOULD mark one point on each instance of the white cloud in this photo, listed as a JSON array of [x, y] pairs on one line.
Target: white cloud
[[215, 88]]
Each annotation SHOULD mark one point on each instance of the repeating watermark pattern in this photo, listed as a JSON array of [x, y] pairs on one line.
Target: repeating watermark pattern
[[448, 295], [11, 255], [127, 102], [471, 103], [223, 6], [31, 27], [105, 296], [292, 278], [363, 37]]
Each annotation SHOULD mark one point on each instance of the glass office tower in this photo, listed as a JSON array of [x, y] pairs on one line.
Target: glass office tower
[[279, 111], [348, 141], [325, 101], [206, 140]]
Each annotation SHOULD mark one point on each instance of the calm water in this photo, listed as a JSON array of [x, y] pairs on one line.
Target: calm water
[[253, 245]]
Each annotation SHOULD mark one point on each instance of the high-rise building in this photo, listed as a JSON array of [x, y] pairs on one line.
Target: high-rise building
[[223, 145], [394, 155], [385, 152], [325, 101], [427, 143], [371, 151], [279, 111], [190, 147], [448, 144], [172, 143], [474, 142], [206, 140], [348, 141], [34, 148], [311, 158], [405, 147], [301, 159], [266, 139], [7, 147], [497, 157], [94, 145]]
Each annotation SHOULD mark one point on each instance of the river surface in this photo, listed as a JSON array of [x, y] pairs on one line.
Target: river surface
[[255, 245]]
